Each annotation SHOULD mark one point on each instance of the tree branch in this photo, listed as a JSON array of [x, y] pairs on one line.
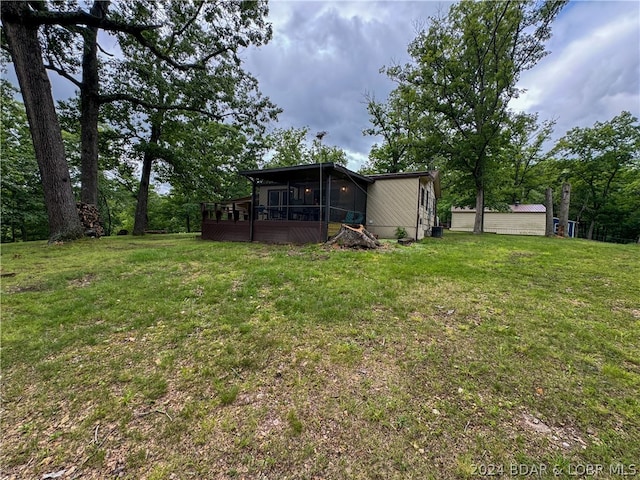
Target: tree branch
[[63, 73], [104, 51], [68, 19], [186, 25], [124, 97]]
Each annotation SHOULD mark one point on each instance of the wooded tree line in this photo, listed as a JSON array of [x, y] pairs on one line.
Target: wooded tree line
[[173, 99], [173, 96], [450, 111]]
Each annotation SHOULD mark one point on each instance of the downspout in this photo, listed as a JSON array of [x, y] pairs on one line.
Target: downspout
[[418, 212], [320, 202]]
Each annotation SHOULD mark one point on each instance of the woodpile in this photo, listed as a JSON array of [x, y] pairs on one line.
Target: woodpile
[[349, 236], [90, 219]]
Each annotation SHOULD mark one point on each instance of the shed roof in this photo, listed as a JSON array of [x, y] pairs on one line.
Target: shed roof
[[517, 208]]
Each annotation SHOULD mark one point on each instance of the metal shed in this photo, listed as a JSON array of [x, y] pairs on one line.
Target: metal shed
[[520, 219]]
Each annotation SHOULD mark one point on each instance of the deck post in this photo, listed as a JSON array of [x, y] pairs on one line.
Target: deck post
[[286, 200], [252, 209], [327, 215]]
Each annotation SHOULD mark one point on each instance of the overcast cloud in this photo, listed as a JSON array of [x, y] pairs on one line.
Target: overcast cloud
[[324, 56]]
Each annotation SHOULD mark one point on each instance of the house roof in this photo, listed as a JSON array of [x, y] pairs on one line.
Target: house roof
[[433, 175], [310, 172], [518, 208], [377, 176]]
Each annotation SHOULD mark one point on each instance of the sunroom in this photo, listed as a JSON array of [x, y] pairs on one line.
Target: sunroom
[[299, 204]]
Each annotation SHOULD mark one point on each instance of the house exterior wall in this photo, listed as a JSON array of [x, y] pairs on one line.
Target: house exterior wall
[[396, 202], [427, 209], [503, 223]]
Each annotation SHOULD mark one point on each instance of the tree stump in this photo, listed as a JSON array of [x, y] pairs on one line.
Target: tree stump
[[354, 237]]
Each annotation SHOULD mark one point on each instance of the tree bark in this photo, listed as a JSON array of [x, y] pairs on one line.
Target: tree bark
[[592, 225], [89, 110], [478, 225], [563, 218], [26, 55], [548, 203], [141, 218]]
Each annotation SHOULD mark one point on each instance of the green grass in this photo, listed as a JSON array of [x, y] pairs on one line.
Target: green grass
[[171, 357]]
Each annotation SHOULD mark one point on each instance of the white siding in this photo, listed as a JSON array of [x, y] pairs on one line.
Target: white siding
[[503, 223], [515, 223], [462, 221], [395, 202]]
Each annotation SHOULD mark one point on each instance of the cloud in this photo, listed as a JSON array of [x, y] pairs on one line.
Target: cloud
[[593, 72], [325, 55]]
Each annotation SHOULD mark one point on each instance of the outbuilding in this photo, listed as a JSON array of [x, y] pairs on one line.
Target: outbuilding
[[519, 219]]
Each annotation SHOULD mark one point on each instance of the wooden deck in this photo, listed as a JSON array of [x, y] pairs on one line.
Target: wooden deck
[[267, 231], [225, 231]]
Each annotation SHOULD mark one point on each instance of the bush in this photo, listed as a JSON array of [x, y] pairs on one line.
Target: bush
[[401, 233]]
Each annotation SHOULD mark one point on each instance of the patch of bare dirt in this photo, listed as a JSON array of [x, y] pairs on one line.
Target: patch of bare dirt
[[563, 436], [82, 282]]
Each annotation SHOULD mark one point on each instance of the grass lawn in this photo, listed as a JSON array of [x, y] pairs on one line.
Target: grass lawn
[[168, 357]]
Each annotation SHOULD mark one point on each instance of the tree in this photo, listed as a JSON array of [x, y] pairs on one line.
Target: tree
[[206, 157], [464, 73], [194, 32], [290, 147], [321, 153], [172, 106], [397, 122], [522, 156], [22, 206], [24, 45], [596, 160]]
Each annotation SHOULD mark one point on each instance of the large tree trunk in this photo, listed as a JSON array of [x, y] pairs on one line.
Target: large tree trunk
[[478, 224], [26, 54], [563, 218], [592, 225], [90, 107], [548, 203], [140, 220]]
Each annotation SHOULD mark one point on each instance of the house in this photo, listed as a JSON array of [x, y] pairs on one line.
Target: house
[[308, 203], [518, 220], [406, 200]]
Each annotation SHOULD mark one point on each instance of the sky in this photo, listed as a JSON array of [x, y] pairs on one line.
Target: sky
[[325, 56]]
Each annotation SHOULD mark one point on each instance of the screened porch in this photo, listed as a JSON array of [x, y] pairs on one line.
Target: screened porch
[[301, 204]]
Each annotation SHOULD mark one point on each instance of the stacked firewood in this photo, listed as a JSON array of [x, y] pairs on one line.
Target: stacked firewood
[[90, 219]]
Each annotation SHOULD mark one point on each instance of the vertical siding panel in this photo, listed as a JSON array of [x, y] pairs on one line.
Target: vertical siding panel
[[503, 223], [391, 204]]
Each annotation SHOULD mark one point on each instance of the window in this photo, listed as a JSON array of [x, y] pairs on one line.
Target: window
[[276, 198], [422, 196]]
